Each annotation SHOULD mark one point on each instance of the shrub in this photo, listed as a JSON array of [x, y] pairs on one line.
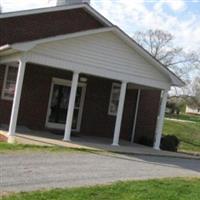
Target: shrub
[[169, 143]]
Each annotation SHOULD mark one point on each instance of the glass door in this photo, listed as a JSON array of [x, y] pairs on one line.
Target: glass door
[[58, 105]]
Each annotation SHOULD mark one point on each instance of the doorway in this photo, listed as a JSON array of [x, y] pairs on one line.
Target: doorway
[[58, 104]]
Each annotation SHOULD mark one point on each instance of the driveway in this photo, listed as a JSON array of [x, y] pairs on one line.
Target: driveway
[[32, 171]]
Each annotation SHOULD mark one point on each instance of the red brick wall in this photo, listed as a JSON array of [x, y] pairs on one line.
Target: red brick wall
[[35, 26], [147, 116], [128, 115], [95, 120], [35, 94]]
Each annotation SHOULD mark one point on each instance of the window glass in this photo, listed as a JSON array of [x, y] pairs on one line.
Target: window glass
[[114, 99], [9, 82]]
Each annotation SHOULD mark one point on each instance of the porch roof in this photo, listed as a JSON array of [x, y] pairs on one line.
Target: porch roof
[[23, 47]]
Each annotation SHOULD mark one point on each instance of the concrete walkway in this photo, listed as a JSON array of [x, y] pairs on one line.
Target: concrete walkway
[[33, 171], [27, 136]]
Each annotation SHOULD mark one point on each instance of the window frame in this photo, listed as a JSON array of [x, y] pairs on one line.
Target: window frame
[[3, 97], [111, 95]]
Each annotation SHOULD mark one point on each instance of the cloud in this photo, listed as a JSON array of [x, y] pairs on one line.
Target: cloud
[[142, 15], [176, 5]]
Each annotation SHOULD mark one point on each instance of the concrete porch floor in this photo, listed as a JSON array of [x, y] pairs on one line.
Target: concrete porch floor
[[27, 136]]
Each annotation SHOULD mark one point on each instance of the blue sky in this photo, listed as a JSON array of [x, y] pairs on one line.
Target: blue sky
[[179, 17]]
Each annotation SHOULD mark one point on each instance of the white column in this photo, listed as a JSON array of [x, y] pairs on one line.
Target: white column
[[71, 104], [135, 116], [119, 114], [160, 120], [16, 101]]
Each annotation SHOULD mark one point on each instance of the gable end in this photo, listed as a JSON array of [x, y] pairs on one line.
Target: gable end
[[43, 25]]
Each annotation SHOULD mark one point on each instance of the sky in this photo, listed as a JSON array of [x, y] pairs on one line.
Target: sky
[[179, 17]]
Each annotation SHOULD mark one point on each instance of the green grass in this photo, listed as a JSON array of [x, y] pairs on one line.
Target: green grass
[[194, 118], [187, 132], [5, 147], [164, 189]]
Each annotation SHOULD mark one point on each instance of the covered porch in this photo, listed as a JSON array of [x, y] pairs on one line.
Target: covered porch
[[117, 73], [90, 112]]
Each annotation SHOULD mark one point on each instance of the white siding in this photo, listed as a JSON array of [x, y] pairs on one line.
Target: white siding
[[103, 51]]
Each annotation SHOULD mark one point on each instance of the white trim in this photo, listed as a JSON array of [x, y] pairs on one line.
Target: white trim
[[135, 115], [71, 104], [160, 119], [65, 82], [120, 109], [111, 92], [82, 101], [4, 85], [49, 104], [17, 97], [5, 81]]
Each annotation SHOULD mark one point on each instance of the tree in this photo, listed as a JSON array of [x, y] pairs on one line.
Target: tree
[[161, 46], [196, 90]]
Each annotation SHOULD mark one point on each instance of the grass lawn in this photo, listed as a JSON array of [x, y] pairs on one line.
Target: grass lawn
[[188, 133], [194, 118], [5, 147], [164, 189]]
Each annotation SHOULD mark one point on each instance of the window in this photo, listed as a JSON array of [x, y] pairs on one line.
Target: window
[[114, 99], [9, 82]]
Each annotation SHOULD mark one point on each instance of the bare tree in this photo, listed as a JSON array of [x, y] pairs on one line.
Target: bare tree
[[161, 46], [196, 90]]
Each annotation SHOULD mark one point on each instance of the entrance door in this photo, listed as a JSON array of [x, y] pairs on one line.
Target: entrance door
[[58, 104]]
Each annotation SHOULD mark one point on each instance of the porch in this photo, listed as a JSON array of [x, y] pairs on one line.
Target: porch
[[117, 66], [93, 143], [46, 89]]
